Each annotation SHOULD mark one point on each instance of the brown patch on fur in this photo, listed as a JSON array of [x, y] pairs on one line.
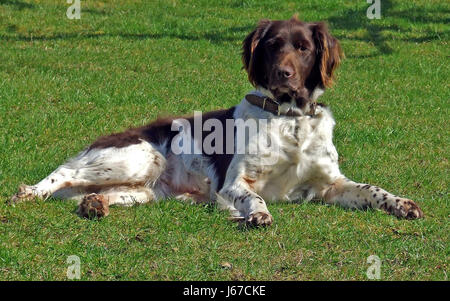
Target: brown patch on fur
[[67, 184], [334, 189], [197, 197], [98, 188], [22, 195], [154, 132], [249, 181], [259, 219], [404, 208], [160, 130], [93, 205]]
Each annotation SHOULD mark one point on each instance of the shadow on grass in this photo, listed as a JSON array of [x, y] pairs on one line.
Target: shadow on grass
[[16, 4], [355, 19], [214, 36], [351, 20]]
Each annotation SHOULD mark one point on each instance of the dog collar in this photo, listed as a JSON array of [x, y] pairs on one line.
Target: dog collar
[[268, 104]]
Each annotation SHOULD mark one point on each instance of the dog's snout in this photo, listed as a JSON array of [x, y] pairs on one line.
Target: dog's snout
[[285, 72]]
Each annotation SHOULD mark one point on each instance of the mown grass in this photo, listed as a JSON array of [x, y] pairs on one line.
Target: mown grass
[[64, 82]]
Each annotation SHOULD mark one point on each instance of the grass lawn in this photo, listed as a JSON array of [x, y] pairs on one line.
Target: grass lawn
[[64, 82]]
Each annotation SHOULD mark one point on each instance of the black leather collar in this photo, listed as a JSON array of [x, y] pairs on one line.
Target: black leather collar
[[268, 104]]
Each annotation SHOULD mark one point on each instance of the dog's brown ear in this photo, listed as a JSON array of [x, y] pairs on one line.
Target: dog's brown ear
[[329, 53], [249, 46]]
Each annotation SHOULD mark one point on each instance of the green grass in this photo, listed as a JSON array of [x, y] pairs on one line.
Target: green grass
[[64, 82]]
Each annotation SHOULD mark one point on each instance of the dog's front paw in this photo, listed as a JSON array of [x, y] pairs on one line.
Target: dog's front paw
[[405, 208], [259, 219], [24, 193], [93, 205]]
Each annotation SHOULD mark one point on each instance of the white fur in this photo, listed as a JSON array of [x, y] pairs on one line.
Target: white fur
[[306, 162]]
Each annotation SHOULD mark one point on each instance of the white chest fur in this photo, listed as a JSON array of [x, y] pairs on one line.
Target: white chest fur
[[300, 160]]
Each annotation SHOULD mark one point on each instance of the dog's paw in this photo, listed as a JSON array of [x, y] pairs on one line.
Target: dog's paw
[[259, 219], [405, 208], [93, 206], [24, 193]]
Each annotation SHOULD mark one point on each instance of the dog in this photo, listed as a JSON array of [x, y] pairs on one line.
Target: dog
[[290, 63]]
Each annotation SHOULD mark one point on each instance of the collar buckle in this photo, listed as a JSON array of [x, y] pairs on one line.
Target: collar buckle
[[278, 107]]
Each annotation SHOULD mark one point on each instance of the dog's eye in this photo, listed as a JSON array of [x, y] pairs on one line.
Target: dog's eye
[[274, 43], [300, 47]]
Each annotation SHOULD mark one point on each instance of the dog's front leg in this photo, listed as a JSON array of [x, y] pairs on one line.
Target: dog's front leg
[[359, 196], [250, 205]]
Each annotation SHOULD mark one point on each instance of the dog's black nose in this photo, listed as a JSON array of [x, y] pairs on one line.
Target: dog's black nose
[[285, 72]]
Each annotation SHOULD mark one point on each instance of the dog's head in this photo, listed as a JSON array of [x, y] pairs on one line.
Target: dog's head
[[291, 59]]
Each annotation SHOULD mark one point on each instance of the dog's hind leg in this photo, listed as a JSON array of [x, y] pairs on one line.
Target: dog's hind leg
[[136, 164], [97, 204]]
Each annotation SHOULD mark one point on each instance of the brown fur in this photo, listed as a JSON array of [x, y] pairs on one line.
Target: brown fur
[[307, 50], [160, 130], [94, 205], [329, 52]]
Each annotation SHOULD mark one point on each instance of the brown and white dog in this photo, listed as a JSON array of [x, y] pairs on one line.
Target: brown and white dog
[[290, 63]]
